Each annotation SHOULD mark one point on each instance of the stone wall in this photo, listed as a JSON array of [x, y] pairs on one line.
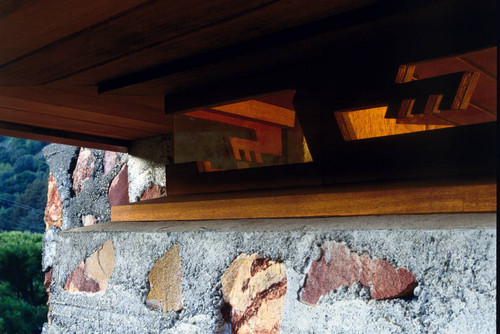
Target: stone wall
[[433, 273]]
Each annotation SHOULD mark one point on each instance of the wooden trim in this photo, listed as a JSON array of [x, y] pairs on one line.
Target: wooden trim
[[409, 197], [63, 137]]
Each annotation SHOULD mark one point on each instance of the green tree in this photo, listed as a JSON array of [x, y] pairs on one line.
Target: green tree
[[22, 295]]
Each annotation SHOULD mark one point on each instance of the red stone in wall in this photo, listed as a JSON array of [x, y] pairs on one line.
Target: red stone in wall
[[155, 191], [53, 209], [118, 190], [338, 266], [83, 170]]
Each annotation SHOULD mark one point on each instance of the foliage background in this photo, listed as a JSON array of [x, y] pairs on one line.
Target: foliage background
[[23, 185], [22, 294], [23, 196]]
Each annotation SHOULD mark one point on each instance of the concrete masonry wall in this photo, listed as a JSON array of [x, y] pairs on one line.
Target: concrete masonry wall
[[221, 285]]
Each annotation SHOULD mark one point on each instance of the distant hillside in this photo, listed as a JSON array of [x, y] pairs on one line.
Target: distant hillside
[[23, 185]]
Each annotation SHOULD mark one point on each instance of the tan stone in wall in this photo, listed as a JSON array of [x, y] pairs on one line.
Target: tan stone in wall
[[53, 209], [165, 280], [255, 289], [83, 170], [93, 274], [338, 266]]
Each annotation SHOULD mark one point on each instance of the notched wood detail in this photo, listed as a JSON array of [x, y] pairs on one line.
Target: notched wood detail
[[430, 96]]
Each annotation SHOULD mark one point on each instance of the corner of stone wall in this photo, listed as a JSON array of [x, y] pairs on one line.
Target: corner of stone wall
[[147, 163], [231, 280], [84, 183]]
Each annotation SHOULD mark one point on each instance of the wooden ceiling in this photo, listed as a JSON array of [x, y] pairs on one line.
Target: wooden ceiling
[[103, 73]]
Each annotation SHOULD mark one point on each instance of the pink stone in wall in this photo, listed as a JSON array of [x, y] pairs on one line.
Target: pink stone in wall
[[110, 161], [118, 190], [83, 170], [53, 209], [88, 220], [338, 266], [153, 192]]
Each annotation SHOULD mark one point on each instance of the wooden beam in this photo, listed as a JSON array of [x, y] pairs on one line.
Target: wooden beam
[[320, 51], [63, 137], [409, 197], [35, 24]]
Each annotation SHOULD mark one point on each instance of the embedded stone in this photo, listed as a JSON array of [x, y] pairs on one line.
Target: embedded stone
[[338, 266], [153, 192], [165, 280], [118, 190], [83, 170], [47, 281], [110, 161], [93, 274], [53, 209], [88, 220], [254, 288]]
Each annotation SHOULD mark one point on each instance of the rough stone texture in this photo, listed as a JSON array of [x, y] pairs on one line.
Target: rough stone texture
[[165, 282], [147, 163], [47, 281], [88, 220], [76, 208], [83, 170], [254, 288], [53, 209], [49, 250], [110, 160], [338, 266], [455, 270], [153, 192], [118, 190], [92, 274]]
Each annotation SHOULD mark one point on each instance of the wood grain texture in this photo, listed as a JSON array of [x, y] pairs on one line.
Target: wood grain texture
[[63, 123], [143, 27], [62, 137], [96, 114], [369, 199], [31, 25], [253, 21], [86, 98], [341, 40]]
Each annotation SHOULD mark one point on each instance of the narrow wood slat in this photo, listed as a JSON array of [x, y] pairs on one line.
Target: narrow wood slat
[[270, 18], [261, 111], [370, 199], [62, 137], [65, 124], [146, 109], [144, 27], [38, 23], [98, 116]]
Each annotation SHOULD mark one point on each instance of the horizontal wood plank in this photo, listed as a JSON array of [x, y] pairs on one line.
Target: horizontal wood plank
[[322, 47], [269, 18], [65, 124], [144, 27], [451, 196], [86, 98], [62, 137], [96, 114], [35, 24]]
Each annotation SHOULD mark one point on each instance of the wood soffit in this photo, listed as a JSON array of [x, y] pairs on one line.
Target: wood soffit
[[101, 74]]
